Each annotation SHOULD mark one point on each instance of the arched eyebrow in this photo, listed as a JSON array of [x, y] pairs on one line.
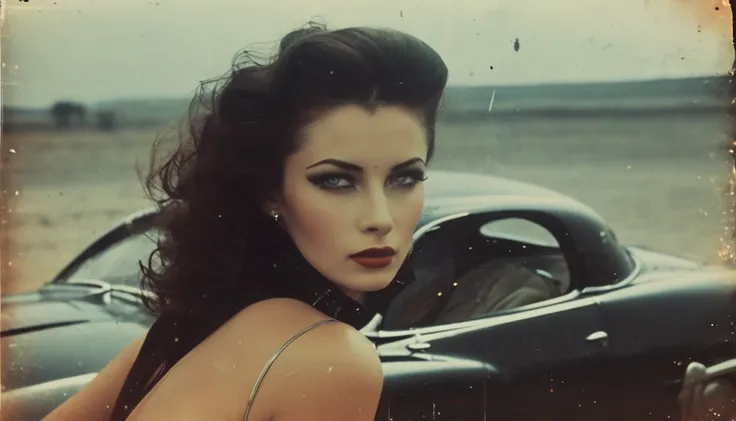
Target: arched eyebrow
[[349, 166]]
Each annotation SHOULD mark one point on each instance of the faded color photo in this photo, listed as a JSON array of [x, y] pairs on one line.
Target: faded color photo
[[580, 154]]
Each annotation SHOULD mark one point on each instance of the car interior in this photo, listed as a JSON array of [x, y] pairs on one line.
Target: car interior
[[463, 274]]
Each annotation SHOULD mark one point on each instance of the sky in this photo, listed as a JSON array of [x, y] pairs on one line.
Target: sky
[[95, 50]]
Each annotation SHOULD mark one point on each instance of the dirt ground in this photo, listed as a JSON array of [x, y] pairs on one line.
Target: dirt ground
[[658, 181]]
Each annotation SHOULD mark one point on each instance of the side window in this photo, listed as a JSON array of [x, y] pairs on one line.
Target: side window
[[434, 269], [464, 272], [119, 263], [519, 229]]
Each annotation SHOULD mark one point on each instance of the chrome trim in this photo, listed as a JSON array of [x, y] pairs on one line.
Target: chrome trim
[[133, 291], [705, 394], [434, 224], [107, 288], [440, 331], [717, 370], [372, 325], [634, 272]]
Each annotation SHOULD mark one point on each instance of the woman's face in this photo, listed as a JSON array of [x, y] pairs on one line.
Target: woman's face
[[355, 184]]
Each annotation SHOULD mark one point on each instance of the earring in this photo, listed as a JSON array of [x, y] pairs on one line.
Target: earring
[[274, 215]]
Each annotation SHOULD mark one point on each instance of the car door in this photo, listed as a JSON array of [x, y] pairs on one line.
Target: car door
[[421, 388], [541, 356], [660, 324], [541, 362]]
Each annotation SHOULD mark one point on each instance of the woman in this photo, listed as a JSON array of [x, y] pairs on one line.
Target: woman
[[290, 209]]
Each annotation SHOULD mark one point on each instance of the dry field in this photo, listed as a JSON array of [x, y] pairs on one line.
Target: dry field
[[658, 181]]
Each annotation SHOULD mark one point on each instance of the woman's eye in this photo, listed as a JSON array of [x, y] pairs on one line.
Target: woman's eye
[[335, 182], [408, 180], [331, 181], [404, 180], [344, 182]]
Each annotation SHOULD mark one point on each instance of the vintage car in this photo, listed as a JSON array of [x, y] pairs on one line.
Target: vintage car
[[525, 307]]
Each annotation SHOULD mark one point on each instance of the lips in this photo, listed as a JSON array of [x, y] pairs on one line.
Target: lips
[[374, 258]]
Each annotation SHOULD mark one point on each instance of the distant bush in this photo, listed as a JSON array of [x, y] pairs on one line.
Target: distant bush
[[106, 121], [67, 113]]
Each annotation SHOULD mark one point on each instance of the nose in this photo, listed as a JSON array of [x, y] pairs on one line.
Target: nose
[[377, 217]]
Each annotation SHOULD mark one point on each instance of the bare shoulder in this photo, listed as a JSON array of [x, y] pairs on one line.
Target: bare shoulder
[[281, 315], [282, 318], [331, 372]]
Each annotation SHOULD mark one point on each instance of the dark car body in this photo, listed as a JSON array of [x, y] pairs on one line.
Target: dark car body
[[525, 307]]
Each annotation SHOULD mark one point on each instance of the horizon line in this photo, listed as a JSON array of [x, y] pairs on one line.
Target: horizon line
[[449, 85]]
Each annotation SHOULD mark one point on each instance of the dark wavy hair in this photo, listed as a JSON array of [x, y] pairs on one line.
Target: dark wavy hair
[[242, 127], [219, 251]]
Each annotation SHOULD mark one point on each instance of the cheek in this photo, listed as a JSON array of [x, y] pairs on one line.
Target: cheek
[[310, 219], [408, 212]]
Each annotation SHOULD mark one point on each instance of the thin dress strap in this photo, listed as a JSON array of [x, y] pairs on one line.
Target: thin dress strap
[[273, 359]]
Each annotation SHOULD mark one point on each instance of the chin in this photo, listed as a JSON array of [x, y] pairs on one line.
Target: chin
[[370, 283], [377, 283]]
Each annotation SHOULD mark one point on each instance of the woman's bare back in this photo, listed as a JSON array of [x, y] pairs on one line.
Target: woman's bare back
[[311, 376]]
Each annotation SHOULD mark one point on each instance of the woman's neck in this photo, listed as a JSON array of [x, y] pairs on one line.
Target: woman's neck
[[318, 291], [356, 296]]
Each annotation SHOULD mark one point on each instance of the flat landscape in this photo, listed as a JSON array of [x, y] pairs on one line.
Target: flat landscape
[[658, 180]]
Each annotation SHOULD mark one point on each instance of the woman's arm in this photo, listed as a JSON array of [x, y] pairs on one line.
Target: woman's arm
[[95, 402]]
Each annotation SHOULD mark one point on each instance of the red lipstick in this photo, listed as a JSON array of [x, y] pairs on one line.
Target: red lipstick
[[374, 258]]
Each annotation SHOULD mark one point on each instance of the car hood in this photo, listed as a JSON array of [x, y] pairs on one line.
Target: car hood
[[51, 335], [651, 260], [56, 346], [659, 268], [39, 310]]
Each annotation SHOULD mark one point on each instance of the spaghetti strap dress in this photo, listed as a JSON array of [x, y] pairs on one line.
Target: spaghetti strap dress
[[273, 358]]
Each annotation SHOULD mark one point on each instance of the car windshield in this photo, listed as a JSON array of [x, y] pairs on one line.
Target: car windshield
[[118, 264]]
